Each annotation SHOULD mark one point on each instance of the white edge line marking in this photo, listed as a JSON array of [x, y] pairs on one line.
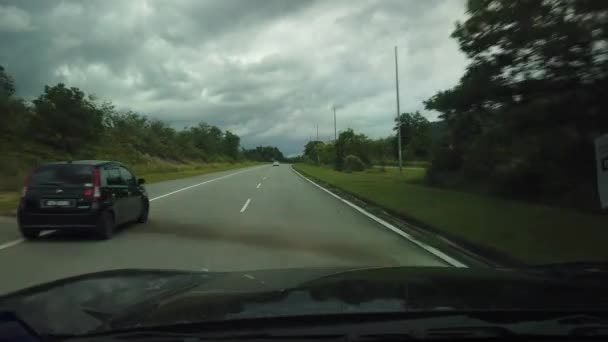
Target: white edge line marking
[[11, 243], [424, 246], [18, 241], [259, 185], [245, 205], [199, 184]]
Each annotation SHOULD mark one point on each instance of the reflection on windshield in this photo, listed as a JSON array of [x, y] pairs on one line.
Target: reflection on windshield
[[127, 299]]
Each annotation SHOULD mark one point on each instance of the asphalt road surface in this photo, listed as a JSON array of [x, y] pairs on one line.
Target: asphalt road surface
[[256, 218]]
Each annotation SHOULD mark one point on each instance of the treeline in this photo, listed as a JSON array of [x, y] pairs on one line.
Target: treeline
[[64, 122], [355, 151], [522, 120], [264, 153]]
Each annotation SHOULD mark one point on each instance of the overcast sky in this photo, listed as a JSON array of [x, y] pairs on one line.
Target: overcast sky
[[267, 70]]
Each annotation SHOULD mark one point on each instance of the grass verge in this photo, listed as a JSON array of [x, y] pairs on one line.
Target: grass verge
[[154, 175], [534, 234], [152, 172]]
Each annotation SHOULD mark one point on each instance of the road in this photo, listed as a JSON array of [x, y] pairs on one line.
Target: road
[[256, 218]]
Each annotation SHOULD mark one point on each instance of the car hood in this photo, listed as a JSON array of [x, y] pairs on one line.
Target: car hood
[[130, 298]]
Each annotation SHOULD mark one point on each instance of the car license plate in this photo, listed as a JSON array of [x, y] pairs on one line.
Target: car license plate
[[57, 203]]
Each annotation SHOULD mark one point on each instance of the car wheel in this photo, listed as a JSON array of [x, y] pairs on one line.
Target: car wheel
[[29, 234], [145, 210], [105, 226]]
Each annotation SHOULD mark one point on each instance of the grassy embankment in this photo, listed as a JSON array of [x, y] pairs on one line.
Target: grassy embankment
[[532, 233], [16, 165]]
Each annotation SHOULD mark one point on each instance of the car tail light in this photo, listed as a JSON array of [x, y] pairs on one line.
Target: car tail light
[[96, 184], [26, 184], [94, 192]]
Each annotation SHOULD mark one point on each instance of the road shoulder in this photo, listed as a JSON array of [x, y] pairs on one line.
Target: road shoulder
[[427, 237]]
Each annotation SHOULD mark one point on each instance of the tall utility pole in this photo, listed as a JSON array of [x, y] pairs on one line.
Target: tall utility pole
[[398, 112], [335, 129], [317, 147]]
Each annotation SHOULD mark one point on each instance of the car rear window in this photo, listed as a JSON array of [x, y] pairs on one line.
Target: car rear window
[[64, 174]]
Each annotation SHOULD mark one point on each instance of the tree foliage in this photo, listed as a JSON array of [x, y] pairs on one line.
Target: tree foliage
[[353, 163], [7, 84], [66, 120], [525, 113], [14, 113], [313, 150], [231, 143], [416, 138], [264, 154], [351, 143]]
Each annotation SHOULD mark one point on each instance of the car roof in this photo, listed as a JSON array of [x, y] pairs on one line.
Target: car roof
[[85, 162]]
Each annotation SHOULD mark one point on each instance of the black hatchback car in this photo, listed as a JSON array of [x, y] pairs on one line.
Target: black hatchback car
[[83, 195]]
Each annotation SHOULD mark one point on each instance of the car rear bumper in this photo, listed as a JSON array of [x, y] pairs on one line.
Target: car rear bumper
[[41, 221]]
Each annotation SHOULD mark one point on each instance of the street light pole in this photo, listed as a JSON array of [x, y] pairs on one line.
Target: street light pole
[[398, 112], [335, 129]]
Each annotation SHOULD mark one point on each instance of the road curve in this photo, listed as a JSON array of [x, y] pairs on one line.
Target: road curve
[[256, 218]]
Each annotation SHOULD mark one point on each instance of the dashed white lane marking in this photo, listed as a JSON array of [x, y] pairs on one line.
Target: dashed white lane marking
[[201, 183], [439, 254], [18, 241], [246, 205], [259, 185]]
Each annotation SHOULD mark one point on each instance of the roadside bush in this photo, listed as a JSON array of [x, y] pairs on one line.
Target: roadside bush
[[353, 163]]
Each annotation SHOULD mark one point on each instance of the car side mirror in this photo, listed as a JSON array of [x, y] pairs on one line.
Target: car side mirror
[[141, 181]]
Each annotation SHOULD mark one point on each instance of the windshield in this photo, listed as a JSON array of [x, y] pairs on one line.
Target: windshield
[[466, 140]]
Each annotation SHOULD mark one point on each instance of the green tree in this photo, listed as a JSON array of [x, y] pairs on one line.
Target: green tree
[[327, 153], [383, 150], [416, 138], [264, 154], [525, 113], [66, 119], [161, 138], [7, 84], [312, 150], [350, 143], [231, 144], [14, 113]]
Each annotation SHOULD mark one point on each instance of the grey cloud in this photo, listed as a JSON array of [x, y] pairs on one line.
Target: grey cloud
[[14, 19], [269, 70]]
